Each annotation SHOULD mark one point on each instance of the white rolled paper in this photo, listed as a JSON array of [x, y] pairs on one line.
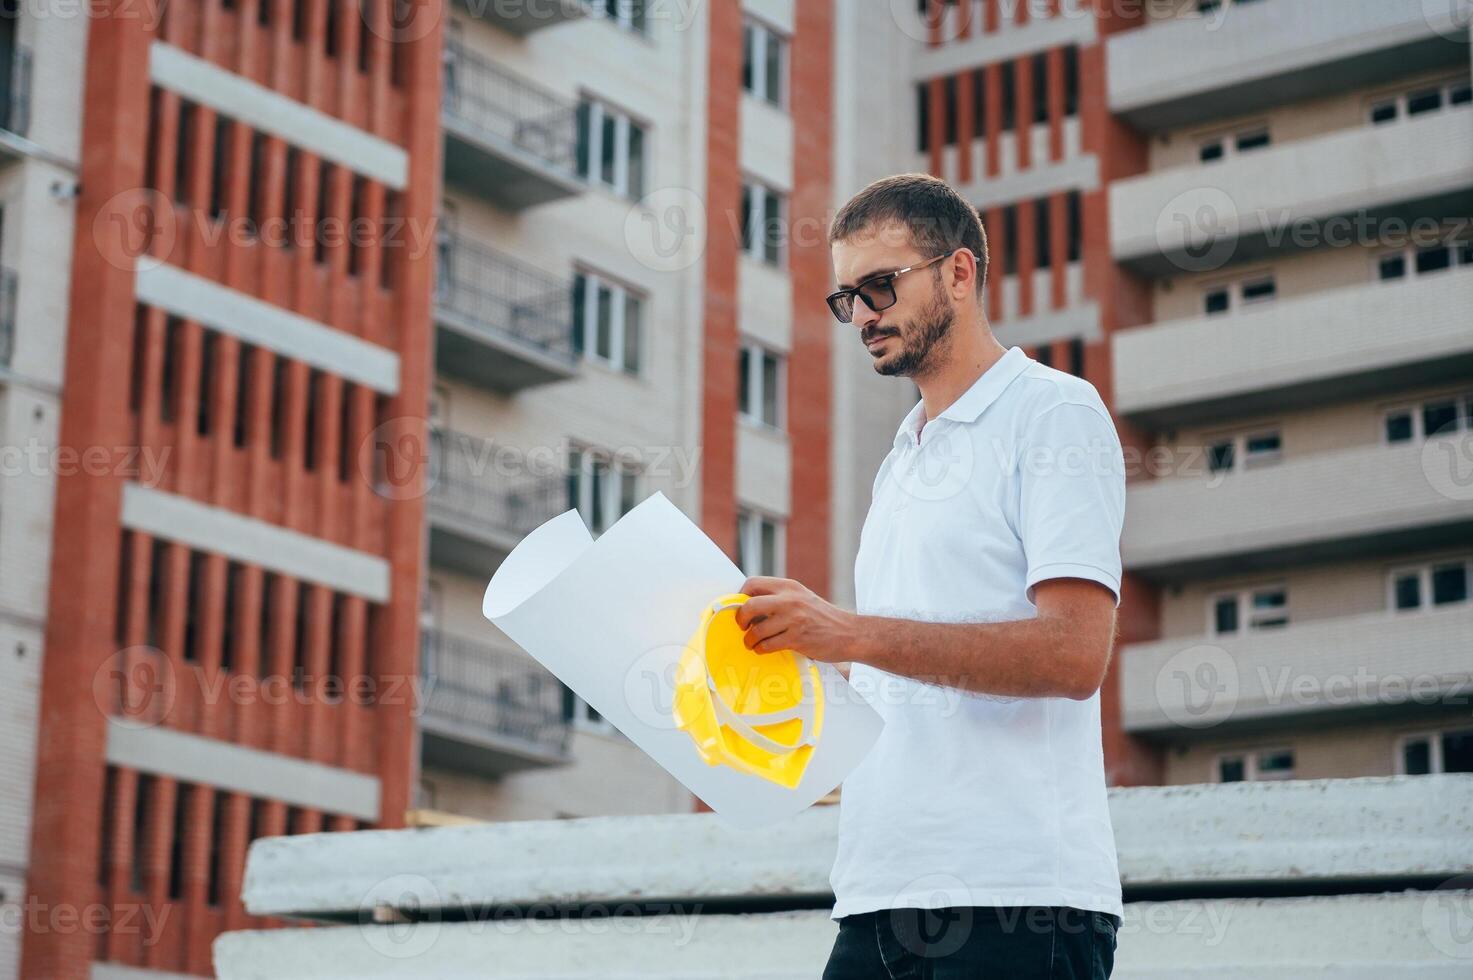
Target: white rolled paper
[[610, 618]]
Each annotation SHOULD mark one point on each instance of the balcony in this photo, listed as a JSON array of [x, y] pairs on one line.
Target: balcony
[[522, 17], [501, 324], [1275, 200], [505, 139], [1365, 664], [476, 513], [1369, 500], [487, 710], [1343, 343], [1241, 60]]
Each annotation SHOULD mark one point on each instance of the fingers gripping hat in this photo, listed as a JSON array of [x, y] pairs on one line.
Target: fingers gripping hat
[[759, 713]]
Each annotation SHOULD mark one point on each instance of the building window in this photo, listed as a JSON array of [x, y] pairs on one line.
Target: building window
[[1071, 80], [761, 384], [1260, 765], [1225, 297], [1009, 97], [1220, 146], [1423, 260], [764, 63], [1262, 608], [764, 218], [608, 322], [1439, 416], [632, 15], [611, 149], [1229, 454], [1424, 99], [1427, 753], [601, 488], [1076, 227], [1043, 246], [1430, 585], [582, 715], [923, 116], [759, 543], [1010, 240], [1040, 88]]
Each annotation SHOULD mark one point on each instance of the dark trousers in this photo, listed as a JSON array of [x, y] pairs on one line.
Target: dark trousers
[[1023, 943]]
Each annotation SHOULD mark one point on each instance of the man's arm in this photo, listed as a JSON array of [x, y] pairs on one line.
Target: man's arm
[[1062, 653]]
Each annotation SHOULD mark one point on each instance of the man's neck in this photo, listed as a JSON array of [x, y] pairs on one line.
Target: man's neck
[[972, 353]]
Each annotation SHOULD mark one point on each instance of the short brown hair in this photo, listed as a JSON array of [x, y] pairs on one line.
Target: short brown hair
[[939, 219]]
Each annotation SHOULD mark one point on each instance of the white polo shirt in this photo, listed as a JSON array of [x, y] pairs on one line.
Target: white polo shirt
[[971, 799]]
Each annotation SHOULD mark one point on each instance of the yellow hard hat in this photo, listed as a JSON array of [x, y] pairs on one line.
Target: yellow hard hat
[[759, 713]]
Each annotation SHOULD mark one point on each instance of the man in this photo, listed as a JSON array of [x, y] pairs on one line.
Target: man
[[974, 840]]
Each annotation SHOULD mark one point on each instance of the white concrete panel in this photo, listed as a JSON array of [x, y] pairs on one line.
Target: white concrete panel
[[1186, 56], [1009, 42], [257, 542], [1078, 173], [1198, 207], [1295, 340], [256, 322], [1325, 497], [269, 111], [1365, 829], [225, 765], [1339, 664], [1346, 937], [1051, 327]]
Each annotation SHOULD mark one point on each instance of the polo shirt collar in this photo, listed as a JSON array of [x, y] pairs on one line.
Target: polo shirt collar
[[972, 402]]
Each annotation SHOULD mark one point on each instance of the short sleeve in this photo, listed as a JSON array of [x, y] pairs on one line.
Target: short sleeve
[[1072, 496]]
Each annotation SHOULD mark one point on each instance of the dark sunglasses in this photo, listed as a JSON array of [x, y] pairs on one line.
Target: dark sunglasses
[[878, 292]]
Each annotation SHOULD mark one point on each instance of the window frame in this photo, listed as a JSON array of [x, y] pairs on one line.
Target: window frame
[[1251, 759], [588, 457], [585, 328], [1462, 400], [624, 123], [753, 352], [755, 245], [750, 521], [763, 34], [1436, 761], [1247, 621], [1423, 571], [1242, 460], [1229, 139], [1400, 98]]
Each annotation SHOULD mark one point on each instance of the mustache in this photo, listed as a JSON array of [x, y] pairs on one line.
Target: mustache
[[871, 333]]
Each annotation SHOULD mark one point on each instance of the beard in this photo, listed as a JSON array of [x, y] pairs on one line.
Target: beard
[[922, 340]]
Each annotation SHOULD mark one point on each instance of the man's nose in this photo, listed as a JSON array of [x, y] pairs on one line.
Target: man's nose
[[863, 316]]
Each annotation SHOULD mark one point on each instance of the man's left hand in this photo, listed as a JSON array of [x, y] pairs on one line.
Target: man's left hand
[[786, 615]]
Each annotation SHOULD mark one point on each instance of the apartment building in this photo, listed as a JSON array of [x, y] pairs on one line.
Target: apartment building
[[1246, 224], [619, 311], [218, 312], [997, 97], [40, 146], [1306, 375]]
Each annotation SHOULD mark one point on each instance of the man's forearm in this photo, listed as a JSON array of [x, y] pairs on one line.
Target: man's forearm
[[1030, 658]]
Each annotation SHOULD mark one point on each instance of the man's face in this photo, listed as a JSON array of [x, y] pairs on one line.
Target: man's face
[[909, 338]]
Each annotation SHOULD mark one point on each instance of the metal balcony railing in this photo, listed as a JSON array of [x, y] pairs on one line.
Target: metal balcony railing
[[490, 291], [473, 685], [9, 282], [469, 483], [483, 98], [15, 99]]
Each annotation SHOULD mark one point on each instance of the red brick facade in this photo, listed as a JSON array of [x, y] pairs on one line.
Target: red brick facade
[[245, 430]]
